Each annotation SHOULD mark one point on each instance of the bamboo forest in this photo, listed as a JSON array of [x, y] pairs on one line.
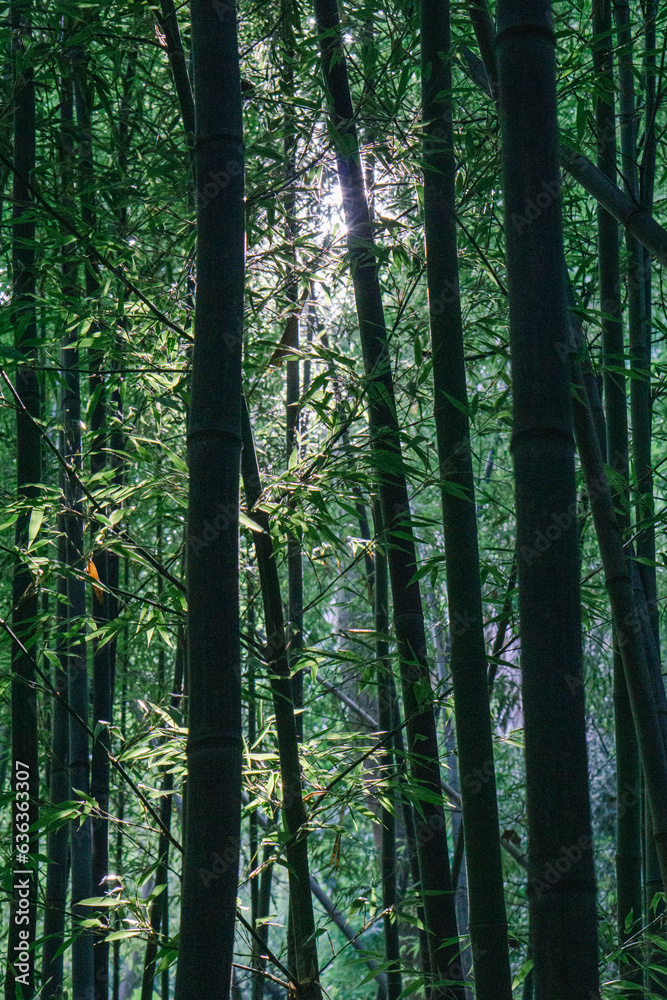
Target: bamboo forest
[[333, 445]]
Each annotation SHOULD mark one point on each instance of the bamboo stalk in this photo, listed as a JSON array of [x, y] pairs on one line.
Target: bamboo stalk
[[304, 942], [386, 762], [57, 847], [432, 850], [102, 666], [628, 819], [632, 639], [468, 665], [563, 918], [214, 747]]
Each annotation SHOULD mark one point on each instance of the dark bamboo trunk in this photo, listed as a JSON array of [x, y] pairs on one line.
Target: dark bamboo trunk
[[81, 833], [120, 808], [159, 916], [387, 761], [116, 432], [422, 747], [488, 922], [99, 777], [77, 655], [291, 341], [79, 747], [102, 711], [632, 619], [304, 943], [25, 594], [638, 286], [646, 187], [608, 250], [640, 350], [658, 982], [562, 892], [634, 638], [527, 990], [58, 840], [628, 797], [213, 813], [653, 882]]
